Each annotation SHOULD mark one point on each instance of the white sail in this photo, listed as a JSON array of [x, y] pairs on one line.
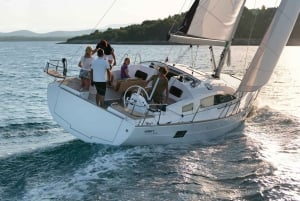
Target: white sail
[[210, 22], [266, 57]]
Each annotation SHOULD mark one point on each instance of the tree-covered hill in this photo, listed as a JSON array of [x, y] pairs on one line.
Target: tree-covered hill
[[252, 26]]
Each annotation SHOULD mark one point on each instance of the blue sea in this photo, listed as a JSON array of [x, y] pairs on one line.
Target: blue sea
[[39, 161]]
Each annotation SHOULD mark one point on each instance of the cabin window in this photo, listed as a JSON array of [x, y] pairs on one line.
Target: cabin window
[[215, 100], [141, 74], [206, 102], [188, 107], [218, 99], [175, 91], [180, 134]]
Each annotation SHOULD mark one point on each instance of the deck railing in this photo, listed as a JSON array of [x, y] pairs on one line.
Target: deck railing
[[56, 68], [227, 109]]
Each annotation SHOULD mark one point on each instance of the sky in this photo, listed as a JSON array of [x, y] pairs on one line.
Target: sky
[[71, 15]]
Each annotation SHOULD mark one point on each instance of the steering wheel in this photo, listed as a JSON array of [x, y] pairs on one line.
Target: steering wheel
[[140, 91]]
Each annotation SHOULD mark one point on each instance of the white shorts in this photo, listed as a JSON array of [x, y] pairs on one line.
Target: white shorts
[[109, 58]]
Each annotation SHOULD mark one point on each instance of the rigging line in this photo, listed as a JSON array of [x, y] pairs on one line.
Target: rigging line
[[195, 57], [250, 35], [183, 54], [180, 11], [173, 24], [109, 8], [192, 57]]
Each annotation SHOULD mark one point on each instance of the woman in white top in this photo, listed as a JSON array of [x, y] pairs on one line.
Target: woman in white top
[[85, 65]]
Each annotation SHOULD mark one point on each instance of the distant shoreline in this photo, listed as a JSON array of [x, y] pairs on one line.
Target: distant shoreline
[[236, 42], [18, 38]]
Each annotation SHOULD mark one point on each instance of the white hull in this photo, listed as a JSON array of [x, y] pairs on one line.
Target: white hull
[[93, 124]]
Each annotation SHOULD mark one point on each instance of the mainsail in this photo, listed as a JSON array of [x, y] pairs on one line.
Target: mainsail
[[267, 55], [209, 22]]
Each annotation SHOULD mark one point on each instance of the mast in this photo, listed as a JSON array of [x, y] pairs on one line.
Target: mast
[[225, 52]]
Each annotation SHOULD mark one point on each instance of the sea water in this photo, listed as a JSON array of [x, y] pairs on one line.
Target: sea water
[[260, 160]]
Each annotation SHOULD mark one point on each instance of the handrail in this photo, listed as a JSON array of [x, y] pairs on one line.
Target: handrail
[[224, 111], [122, 59], [55, 73], [137, 55], [135, 58]]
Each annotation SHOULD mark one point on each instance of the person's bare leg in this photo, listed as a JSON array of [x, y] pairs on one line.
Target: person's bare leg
[[86, 84], [111, 75], [97, 99], [111, 78], [82, 83], [102, 101]]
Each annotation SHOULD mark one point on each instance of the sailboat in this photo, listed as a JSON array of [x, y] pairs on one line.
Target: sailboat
[[201, 106]]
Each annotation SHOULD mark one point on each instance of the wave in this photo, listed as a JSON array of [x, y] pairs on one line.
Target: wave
[[26, 168], [76, 170], [18, 139], [269, 116], [27, 129], [273, 126]]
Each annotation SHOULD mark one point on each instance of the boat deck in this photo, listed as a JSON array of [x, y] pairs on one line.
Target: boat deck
[[73, 83], [113, 98], [110, 97], [130, 114]]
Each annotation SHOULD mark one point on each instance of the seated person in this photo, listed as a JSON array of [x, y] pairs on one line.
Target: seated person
[[124, 69]]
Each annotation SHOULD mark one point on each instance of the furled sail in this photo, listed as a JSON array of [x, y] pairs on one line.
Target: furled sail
[[267, 55], [209, 22]]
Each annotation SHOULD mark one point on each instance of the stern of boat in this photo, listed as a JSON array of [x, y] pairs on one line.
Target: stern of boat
[[84, 119]]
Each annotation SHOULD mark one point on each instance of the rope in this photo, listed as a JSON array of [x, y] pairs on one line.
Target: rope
[[180, 11], [174, 22], [95, 27], [250, 36], [194, 59], [109, 8], [181, 56]]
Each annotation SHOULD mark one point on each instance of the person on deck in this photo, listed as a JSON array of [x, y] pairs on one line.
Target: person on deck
[[124, 69], [159, 85], [85, 65], [98, 69], [109, 55]]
